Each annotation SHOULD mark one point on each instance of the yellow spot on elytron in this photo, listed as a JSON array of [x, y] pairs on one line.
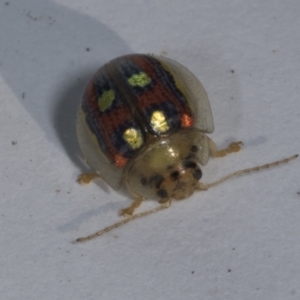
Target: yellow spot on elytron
[[106, 99], [159, 122], [140, 79], [133, 137]]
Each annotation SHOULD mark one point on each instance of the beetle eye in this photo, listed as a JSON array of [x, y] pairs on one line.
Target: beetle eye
[[197, 174], [174, 175], [162, 193]]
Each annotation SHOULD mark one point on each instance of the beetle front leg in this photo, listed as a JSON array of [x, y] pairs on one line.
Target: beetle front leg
[[130, 209], [214, 152], [138, 199]]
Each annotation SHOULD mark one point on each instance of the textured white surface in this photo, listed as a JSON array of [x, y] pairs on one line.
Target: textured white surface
[[240, 240]]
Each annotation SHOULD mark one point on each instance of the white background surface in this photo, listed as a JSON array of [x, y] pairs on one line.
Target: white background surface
[[240, 240]]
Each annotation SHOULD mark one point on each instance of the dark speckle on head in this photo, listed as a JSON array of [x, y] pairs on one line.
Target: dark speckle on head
[[190, 165], [157, 180], [194, 148], [143, 180], [190, 156], [162, 193], [174, 175], [197, 174]]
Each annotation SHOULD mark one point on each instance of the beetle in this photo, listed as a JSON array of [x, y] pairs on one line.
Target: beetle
[[143, 122]]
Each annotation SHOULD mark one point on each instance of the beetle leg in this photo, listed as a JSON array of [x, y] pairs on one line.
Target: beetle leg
[[214, 152], [86, 178], [130, 209], [138, 199]]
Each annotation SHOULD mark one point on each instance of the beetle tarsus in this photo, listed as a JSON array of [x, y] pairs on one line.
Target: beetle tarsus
[[130, 210], [86, 178], [233, 147]]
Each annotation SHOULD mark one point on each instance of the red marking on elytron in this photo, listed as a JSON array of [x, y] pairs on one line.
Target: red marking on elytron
[[186, 121], [120, 160]]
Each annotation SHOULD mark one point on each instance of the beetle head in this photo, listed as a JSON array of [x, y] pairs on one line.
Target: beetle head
[[179, 183]]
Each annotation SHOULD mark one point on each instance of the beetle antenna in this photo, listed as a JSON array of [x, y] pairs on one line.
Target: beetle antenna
[[202, 186], [125, 221]]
